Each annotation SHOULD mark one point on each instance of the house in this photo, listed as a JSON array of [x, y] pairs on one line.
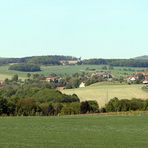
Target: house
[[132, 78], [52, 79], [82, 85], [102, 74], [145, 81], [70, 62]]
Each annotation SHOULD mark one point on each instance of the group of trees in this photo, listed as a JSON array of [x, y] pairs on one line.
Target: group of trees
[[25, 67], [31, 97], [39, 60], [34, 97], [31, 107], [116, 105]]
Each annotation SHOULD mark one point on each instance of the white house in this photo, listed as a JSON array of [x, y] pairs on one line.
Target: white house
[[132, 78], [82, 85]]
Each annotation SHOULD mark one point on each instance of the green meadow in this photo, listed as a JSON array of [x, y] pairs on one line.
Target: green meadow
[[74, 132], [68, 70]]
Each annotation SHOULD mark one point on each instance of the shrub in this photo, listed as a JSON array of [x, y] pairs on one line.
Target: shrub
[[93, 106], [113, 105], [84, 107]]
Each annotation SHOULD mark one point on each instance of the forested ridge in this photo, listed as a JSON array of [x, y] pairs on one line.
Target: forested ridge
[[118, 62], [56, 60], [43, 60]]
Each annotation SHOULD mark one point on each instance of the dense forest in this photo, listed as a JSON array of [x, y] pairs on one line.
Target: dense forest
[[118, 62]]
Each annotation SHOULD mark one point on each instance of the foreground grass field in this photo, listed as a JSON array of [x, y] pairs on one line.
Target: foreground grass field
[[74, 132], [104, 92]]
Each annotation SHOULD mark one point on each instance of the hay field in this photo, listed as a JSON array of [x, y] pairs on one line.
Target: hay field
[[104, 92]]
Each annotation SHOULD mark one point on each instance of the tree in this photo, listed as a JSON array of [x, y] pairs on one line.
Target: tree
[[3, 106], [57, 108], [84, 107], [113, 105], [26, 107], [110, 67], [15, 78], [94, 107], [28, 75]]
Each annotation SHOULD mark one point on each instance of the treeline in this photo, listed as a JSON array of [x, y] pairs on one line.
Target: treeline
[[32, 107], [42, 60], [56, 60], [25, 67], [116, 105], [118, 62]]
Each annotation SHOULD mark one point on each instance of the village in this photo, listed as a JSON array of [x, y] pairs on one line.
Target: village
[[81, 80], [139, 77]]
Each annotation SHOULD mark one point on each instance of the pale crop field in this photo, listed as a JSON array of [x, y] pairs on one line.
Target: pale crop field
[[102, 93]]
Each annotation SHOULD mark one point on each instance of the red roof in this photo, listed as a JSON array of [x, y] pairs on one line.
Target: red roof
[[145, 81]]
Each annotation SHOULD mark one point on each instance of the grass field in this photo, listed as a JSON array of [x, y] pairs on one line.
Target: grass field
[[62, 70], [104, 92], [74, 132]]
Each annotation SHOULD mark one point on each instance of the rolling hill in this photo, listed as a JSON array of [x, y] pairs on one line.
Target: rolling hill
[[104, 92], [144, 57]]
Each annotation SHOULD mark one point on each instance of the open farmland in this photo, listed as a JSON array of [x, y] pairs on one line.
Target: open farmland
[[104, 92], [74, 132], [69, 70]]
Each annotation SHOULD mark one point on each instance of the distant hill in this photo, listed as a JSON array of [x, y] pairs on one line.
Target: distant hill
[[145, 57], [41, 60], [141, 61]]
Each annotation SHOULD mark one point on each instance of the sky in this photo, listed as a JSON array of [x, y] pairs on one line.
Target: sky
[[81, 28]]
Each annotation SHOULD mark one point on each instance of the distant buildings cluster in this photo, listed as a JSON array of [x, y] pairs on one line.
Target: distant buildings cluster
[[139, 76]]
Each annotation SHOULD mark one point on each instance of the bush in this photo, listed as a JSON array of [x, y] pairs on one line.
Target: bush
[[71, 109], [113, 105], [84, 107], [26, 107], [136, 104], [93, 106], [46, 109]]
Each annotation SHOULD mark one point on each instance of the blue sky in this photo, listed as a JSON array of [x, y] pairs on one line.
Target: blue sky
[[82, 28]]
